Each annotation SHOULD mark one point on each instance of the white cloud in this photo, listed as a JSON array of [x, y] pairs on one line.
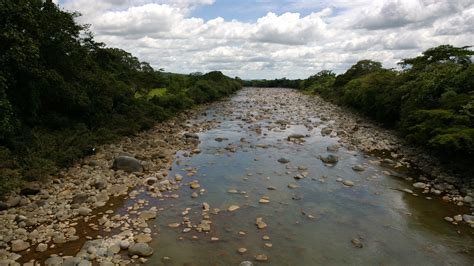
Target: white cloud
[[336, 35]]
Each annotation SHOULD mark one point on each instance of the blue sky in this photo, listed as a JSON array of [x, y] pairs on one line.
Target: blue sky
[[250, 10]]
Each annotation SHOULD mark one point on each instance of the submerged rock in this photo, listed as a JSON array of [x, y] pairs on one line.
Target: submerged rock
[[140, 249], [331, 159], [283, 160]]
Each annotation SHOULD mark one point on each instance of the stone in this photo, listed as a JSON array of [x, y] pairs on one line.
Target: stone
[[143, 238], [458, 218], [140, 249], [174, 225], [357, 243], [291, 185], [333, 148], [261, 257], [260, 223], [30, 189], [3, 206], [42, 247], [233, 208], [148, 215], [348, 183], [468, 218], [128, 164], [419, 185], [151, 180], [330, 159], [448, 219], [114, 249], [246, 263], [80, 198], [84, 211], [205, 206], [264, 201], [283, 160], [242, 250], [19, 245], [178, 177], [358, 168], [295, 136], [13, 201], [467, 199], [54, 261], [124, 245], [190, 135]]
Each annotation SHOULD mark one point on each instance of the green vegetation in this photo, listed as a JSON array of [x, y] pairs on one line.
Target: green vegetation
[[430, 101], [273, 83], [62, 93]]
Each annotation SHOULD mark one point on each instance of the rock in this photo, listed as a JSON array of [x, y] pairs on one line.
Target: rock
[[124, 245], [283, 160], [333, 148], [41, 247], [291, 185], [242, 250], [264, 200], [458, 218], [419, 185], [140, 249], [114, 249], [194, 185], [19, 245], [151, 180], [233, 208], [261, 257], [295, 136], [357, 243], [449, 219], [3, 206], [467, 199], [148, 215], [358, 168], [143, 238], [127, 164], [54, 261], [271, 188], [205, 206], [174, 225], [13, 201], [100, 183], [468, 218], [30, 189], [260, 223], [331, 159], [326, 131], [408, 190], [190, 135], [246, 263], [178, 177], [80, 198], [84, 211], [348, 183]]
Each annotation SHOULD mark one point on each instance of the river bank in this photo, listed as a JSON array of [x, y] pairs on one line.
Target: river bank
[[257, 177]]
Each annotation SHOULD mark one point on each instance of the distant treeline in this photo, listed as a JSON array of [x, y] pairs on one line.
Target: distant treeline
[[62, 93], [273, 83], [430, 101]]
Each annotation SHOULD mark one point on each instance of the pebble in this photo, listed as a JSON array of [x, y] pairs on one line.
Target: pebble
[[233, 208], [261, 257], [348, 183], [242, 250]]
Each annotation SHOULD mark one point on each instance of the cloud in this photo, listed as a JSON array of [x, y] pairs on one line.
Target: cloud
[[334, 35]]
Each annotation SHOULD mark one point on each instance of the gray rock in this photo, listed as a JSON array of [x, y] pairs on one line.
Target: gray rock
[[190, 135], [283, 160], [468, 218], [84, 211], [80, 198], [140, 249], [333, 147], [246, 263], [358, 168], [128, 164], [332, 159], [13, 201], [54, 261], [295, 136], [419, 185], [100, 184]]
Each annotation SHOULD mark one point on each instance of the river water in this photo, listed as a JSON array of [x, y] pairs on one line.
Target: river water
[[319, 222]]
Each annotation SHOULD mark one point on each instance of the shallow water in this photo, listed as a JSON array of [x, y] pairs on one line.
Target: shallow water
[[395, 228]]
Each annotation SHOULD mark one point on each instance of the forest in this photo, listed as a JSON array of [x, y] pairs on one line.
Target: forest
[[62, 93], [429, 101]]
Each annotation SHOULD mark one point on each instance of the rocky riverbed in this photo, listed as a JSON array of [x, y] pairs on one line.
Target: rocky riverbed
[[269, 176]]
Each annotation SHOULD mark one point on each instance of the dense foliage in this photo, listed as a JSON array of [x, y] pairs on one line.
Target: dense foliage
[[62, 93], [430, 101], [273, 83]]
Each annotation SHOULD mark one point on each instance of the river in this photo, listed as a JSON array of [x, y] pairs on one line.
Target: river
[[317, 218]]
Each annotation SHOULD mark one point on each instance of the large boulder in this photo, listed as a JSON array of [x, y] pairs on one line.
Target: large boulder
[[127, 163], [30, 189]]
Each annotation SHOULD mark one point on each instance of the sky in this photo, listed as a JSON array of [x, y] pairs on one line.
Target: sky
[[256, 39]]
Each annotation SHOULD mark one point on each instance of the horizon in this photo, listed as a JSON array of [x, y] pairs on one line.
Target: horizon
[[256, 39]]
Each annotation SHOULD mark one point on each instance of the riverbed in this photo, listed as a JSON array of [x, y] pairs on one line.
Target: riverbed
[[316, 213]]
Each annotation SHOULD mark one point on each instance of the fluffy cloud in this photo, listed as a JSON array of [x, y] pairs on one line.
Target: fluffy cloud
[[332, 35]]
